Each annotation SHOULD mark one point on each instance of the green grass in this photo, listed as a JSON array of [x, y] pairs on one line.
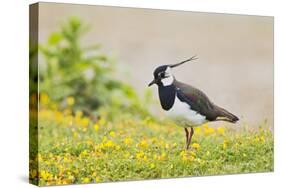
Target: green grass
[[72, 149]]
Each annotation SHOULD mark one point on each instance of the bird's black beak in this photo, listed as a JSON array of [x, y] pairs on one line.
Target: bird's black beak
[[152, 82], [180, 63]]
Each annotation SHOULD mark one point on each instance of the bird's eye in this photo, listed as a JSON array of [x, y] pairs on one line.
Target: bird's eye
[[162, 74]]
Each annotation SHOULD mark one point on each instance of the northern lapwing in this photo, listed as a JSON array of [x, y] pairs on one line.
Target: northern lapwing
[[189, 106]]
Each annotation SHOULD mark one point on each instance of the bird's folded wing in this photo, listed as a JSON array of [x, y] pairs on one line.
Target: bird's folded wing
[[196, 99]]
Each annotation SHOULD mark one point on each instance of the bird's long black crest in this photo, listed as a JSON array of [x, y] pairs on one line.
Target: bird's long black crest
[[180, 63]]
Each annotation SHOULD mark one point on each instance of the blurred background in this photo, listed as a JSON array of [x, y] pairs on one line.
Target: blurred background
[[235, 65]]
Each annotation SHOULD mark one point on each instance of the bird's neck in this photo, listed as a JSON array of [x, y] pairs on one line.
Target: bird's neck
[[167, 96]]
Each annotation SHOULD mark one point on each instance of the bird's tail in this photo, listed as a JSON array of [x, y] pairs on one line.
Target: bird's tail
[[224, 115]]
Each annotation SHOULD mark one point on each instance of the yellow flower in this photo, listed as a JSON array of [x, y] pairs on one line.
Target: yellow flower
[[112, 133], [154, 140], [86, 180], [109, 144], [220, 130], [78, 117], [184, 158], [68, 119], [71, 178], [98, 179], [225, 143], [94, 174], [143, 144], [197, 130], [195, 146], [257, 139], [70, 101], [44, 98], [66, 159], [46, 175], [58, 117], [89, 142], [152, 165], [96, 127], [85, 121], [139, 155], [39, 157], [209, 130], [162, 156], [188, 155], [145, 158], [182, 153], [188, 158], [206, 125], [127, 141], [84, 152]]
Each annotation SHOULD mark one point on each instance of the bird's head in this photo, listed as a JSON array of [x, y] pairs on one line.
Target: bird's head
[[163, 74]]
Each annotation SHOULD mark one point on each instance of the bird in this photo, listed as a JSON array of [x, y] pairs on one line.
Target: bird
[[187, 105]]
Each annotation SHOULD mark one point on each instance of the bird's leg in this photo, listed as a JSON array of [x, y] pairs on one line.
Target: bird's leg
[[187, 138], [190, 135]]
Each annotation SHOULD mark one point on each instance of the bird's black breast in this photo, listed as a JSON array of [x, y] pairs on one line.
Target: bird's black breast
[[167, 96]]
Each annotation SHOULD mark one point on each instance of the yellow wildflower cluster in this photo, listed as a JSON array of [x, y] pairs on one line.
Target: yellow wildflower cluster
[[195, 146], [206, 130], [142, 144], [258, 139], [225, 144], [187, 155], [221, 130], [128, 141], [141, 156], [160, 157]]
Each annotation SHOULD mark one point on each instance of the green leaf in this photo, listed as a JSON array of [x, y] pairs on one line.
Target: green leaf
[[54, 38]]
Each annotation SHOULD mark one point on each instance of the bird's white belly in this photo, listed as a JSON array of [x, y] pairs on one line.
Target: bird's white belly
[[184, 115]]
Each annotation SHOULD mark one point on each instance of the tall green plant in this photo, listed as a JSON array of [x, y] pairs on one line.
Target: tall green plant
[[85, 73]]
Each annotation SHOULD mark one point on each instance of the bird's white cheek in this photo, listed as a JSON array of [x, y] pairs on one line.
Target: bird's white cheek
[[167, 81]]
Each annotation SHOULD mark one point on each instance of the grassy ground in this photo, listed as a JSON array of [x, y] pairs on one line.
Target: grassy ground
[[73, 149]]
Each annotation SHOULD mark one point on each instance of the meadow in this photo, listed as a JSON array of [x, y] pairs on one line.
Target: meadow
[[91, 127], [75, 149]]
